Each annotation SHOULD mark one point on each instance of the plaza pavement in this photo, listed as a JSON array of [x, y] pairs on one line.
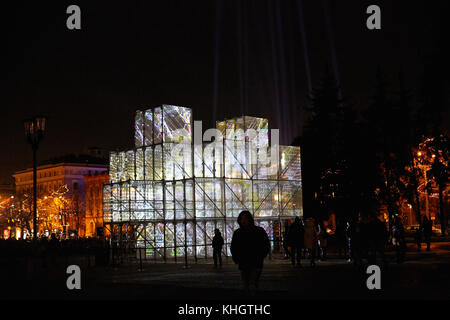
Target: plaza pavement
[[423, 275]]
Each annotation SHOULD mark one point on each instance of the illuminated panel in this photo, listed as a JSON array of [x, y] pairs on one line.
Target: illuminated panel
[[238, 195], [137, 201], [124, 202], [115, 201], [200, 238], [139, 129], [157, 125], [265, 198], [114, 162], [189, 196], [180, 240], [148, 127], [208, 203], [107, 203], [148, 154], [235, 162], [290, 166], [129, 166], [231, 226], [158, 162], [190, 238], [140, 164], [259, 125], [222, 127], [208, 160], [179, 201], [177, 124], [121, 169], [169, 205], [235, 129], [158, 200], [210, 226], [169, 163], [291, 198]]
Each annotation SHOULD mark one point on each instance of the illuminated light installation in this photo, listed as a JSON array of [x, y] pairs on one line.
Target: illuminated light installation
[[169, 193]]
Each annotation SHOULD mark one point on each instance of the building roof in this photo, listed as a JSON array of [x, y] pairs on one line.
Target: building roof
[[71, 160]]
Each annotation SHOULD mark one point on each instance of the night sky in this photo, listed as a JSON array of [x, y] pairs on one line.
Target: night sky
[[222, 58]]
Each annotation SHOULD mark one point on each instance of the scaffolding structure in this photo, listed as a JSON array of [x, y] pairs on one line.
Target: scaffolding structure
[[168, 194]]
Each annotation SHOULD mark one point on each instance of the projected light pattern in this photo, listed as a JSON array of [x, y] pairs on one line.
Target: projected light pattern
[[169, 200]]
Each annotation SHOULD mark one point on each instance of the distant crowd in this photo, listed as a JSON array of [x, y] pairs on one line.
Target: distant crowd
[[356, 240], [303, 239], [49, 248]]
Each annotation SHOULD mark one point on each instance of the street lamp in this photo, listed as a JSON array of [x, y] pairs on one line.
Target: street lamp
[[34, 130]]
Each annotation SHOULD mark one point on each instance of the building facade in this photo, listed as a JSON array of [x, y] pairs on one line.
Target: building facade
[[168, 194], [61, 188], [93, 184]]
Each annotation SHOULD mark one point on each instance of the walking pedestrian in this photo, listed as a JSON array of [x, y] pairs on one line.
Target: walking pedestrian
[[311, 239], [296, 240], [427, 231], [418, 237], [285, 241], [398, 233], [249, 246], [217, 244]]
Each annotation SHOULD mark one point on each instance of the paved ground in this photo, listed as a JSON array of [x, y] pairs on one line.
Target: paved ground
[[424, 275]]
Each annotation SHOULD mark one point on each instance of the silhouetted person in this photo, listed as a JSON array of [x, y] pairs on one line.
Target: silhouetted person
[[377, 238], [427, 231], [399, 235], [365, 231], [296, 240], [287, 253], [217, 244], [418, 237], [249, 246], [311, 239], [53, 246]]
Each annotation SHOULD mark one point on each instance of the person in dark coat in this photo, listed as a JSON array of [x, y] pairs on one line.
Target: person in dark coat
[[399, 239], [427, 230], [376, 239], [217, 244], [418, 237], [310, 239], [285, 241], [249, 246], [53, 246], [296, 240]]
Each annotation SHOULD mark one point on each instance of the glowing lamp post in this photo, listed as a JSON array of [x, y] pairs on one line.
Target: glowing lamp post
[[34, 130], [425, 167]]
